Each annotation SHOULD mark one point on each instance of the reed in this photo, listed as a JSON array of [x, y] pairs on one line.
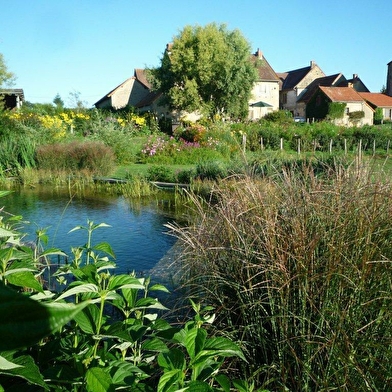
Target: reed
[[299, 267]]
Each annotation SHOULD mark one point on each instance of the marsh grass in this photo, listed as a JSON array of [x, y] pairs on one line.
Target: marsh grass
[[299, 268]]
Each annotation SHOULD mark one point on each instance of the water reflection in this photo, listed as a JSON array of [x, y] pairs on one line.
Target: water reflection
[[137, 233]]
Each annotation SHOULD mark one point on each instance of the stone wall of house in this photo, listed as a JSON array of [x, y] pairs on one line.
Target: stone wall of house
[[353, 107]]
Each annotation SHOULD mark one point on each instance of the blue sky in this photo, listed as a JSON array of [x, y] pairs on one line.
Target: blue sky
[[91, 46]]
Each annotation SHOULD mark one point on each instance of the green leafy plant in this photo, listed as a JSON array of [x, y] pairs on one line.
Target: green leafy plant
[[99, 331]]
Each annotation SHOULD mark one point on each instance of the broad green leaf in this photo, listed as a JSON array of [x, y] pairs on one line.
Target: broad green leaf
[[27, 369], [150, 303], [52, 252], [25, 279], [123, 373], [6, 233], [7, 365], [223, 381], [97, 380], [194, 341], [170, 381], [154, 345], [80, 289], [159, 287], [220, 347], [174, 359], [88, 318], [105, 247], [123, 282], [24, 321], [199, 386]]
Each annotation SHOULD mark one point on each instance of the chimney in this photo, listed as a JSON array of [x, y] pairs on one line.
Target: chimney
[[259, 53], [312, 64], [350, 85], [389, 79], [355, 76]]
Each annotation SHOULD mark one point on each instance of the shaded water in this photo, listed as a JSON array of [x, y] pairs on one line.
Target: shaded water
[[137, 234]]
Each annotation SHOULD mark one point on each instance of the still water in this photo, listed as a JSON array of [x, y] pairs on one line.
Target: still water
[[136, 234]]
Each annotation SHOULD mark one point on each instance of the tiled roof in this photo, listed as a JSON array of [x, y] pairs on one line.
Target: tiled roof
[[292, 78], [341, 94], [265, 71], [377, 99], [140, 75], [326, 81]]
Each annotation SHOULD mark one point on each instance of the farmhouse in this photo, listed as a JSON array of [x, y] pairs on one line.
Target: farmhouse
[[356, 112], [265, 93], [294, 83], [128, 94]]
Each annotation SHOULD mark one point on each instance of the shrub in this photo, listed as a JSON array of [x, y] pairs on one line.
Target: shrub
[[160, 173]]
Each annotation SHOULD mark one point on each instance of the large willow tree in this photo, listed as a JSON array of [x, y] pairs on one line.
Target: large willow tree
[[207, 69]]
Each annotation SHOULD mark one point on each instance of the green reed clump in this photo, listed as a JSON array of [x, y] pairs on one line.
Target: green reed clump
[[76, 156], [300, 269]]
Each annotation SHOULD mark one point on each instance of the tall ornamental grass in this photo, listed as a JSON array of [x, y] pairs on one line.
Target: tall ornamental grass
[[300, 269], [76, 156]]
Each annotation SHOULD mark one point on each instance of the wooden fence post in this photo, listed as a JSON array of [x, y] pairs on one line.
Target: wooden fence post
[[281, 143], [261, 143], [330, 146], [299, 146], [345, 146]]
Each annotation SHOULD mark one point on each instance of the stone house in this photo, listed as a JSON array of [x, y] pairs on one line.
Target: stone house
[[293, 83], [307, 92], [265, 93], [318, 106], [128, 94]]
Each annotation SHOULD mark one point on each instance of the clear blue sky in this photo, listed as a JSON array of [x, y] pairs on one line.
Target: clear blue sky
[[91, 46]]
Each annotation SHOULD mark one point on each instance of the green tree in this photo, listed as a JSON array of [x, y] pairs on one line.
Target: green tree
[[58, 101], [207, 69], [7, 78]]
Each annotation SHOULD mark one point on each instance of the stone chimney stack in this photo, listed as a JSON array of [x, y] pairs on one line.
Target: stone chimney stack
[[259, 54], [389, 79], [312, 64], [355, 76]]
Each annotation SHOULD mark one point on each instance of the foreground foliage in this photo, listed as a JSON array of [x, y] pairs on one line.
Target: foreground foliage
[[300, 269], [97, 331]]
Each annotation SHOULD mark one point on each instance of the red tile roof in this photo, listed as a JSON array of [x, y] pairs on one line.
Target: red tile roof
[[341, 94], [377, 99]]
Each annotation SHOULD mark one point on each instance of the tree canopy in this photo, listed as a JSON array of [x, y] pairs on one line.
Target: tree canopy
[[207, 69], [6, 77]]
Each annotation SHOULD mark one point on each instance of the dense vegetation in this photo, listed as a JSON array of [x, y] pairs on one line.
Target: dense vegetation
[[207, 70], [290, 249]]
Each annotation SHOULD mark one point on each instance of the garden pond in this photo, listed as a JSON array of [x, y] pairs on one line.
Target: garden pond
[[137, 232]]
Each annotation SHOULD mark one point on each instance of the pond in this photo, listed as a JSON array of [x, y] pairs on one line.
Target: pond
[[137, 233]]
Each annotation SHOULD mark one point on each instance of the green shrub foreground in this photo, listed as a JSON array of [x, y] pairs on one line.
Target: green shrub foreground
[[98, 331], [300, 268]]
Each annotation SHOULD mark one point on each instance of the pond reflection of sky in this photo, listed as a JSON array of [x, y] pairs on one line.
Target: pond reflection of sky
[[137, 233]]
